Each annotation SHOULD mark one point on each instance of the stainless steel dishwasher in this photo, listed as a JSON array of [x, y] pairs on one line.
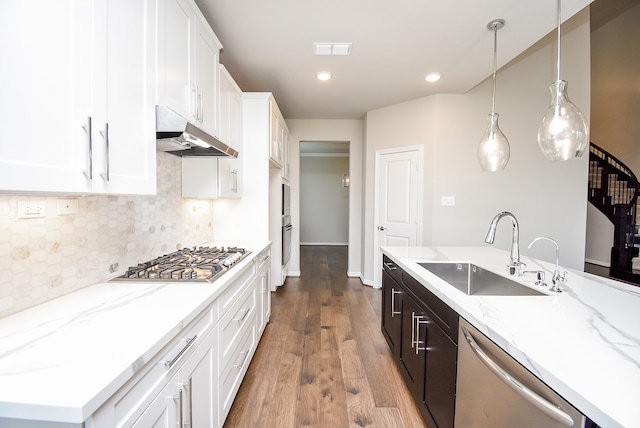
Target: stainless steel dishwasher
[[494, 390]]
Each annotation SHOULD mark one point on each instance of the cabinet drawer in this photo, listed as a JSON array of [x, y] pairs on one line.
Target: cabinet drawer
[[233, 371], [139, 391], [441, 313], [230, 295], [391, 268], [234, 322]]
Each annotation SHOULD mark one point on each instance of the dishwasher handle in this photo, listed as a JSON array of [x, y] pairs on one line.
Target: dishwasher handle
[[544, 405]]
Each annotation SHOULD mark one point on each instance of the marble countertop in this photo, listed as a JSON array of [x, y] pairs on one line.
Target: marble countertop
[[61, 360], [584, 342]]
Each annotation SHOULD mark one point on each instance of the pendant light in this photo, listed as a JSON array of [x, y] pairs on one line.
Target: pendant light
[[563, 133], [494, 150]]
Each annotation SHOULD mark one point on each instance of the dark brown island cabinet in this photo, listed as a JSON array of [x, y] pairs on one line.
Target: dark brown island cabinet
[[422, 332]]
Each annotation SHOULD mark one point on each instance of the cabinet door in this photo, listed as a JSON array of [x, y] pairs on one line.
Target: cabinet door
[[275, 148], [196, 378], [264, 296], [230, 169], [412, 345], [46, 93], [125, 117], [176, 70], [164, 410], [391, 314], [206, 90], [440, 379]]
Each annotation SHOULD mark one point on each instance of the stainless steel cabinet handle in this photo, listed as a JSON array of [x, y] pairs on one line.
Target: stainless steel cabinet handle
[[390, 266], [201, 96], [190, 340], [413, 329], [195, 104], [245, 312], [545, 406], [393, 302], [105, 135], [190, 386], [420, 320], [179, 398], [245, 354], [89, 131]]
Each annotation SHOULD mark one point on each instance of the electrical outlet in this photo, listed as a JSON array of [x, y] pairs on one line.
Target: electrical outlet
[[67, 206], [31, 209]]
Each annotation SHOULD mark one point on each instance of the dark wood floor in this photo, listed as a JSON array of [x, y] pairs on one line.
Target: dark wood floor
[[322, 361]]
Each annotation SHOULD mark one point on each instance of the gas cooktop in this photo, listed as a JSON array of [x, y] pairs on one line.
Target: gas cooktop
[[197, 264]]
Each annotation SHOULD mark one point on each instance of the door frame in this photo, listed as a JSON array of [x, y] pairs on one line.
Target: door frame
[[377, 254]]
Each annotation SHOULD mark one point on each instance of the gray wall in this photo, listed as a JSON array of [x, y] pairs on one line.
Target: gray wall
[[324, 203]]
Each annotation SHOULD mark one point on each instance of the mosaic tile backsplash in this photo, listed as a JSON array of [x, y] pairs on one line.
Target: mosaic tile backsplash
[[43, 258]]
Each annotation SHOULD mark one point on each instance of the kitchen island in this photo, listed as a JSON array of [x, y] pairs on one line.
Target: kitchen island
[[61, 361], [584, 343]]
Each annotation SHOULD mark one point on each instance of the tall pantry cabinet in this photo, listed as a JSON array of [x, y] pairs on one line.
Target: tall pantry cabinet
[[79, 94]]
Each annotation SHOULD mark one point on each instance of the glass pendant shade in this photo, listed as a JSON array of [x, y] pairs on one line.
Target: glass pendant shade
[[563, 133], [494, 150]]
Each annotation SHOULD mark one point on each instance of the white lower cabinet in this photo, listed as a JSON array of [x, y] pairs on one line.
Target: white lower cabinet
[[188, 399], [263, 288], [194, 379]]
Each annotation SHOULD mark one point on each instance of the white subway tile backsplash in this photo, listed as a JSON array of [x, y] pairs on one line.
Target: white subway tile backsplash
[[43, 258]]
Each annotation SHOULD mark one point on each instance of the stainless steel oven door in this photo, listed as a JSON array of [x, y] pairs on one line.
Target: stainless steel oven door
[[286, 239]]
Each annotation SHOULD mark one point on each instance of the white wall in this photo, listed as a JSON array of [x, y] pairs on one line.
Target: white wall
[[600, 233], [329, 130], [547, 198], [324, 203]]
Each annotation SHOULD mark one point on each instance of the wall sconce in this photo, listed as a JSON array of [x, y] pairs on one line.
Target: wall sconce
[[345, 180]]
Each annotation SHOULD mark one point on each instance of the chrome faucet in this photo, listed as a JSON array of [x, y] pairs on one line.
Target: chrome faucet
[[515, 265], [556, 273]]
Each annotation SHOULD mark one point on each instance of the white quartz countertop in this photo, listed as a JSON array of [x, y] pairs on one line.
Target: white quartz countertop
[[584, 342], [61, 360]]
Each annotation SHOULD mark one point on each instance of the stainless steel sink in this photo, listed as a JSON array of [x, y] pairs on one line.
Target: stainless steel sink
[[474, 280]]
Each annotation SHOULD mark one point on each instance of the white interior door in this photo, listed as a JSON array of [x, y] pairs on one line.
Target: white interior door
[[398, 219]]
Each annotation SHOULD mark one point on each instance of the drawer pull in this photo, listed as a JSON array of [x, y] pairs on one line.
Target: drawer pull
[[393, 302], [244, 354], [245, 312], [168, 364]]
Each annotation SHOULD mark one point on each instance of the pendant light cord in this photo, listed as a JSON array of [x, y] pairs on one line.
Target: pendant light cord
[[558, 21], [495, 66]]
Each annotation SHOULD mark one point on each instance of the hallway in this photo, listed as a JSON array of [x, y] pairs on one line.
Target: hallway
[[322, 360]]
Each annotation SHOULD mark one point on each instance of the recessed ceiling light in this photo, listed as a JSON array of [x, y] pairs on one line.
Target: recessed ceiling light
[[432, 77], [323, 75]]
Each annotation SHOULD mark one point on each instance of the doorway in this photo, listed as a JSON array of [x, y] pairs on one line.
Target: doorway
[[324, 193]]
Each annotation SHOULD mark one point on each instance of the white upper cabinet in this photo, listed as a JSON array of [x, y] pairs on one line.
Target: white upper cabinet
[[230, 169], [79, 96], [176, 62], [127, 109], [188, 58]]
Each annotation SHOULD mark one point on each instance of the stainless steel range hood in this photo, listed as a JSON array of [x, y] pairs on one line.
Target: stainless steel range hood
[[176, 135]]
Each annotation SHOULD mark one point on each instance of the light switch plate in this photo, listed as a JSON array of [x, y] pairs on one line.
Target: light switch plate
[[448, 201]]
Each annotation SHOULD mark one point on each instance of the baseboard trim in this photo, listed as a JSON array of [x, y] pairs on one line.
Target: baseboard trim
[[354, 274], [294, 273], [325, 243], [598, 262]]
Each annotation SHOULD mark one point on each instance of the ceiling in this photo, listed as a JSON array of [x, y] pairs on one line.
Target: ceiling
[[268, 47]]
